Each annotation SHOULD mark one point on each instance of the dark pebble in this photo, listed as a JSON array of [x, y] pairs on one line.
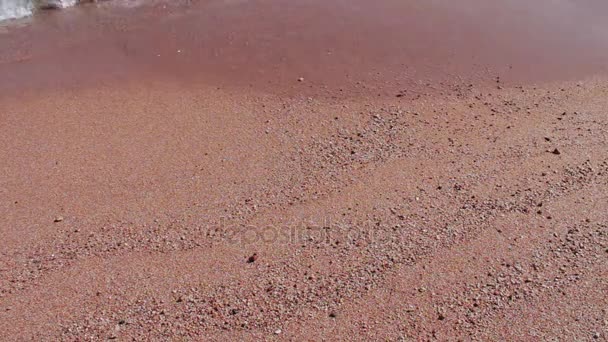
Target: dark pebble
[[252, 258]]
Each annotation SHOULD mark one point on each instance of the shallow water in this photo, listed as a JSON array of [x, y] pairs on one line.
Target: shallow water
[[267, 44]]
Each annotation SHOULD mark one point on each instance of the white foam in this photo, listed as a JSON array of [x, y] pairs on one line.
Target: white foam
[[12, 9], [66, 3], [55, 3]]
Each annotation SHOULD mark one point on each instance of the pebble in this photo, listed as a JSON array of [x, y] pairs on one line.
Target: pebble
[[58, 219], [252, 258]]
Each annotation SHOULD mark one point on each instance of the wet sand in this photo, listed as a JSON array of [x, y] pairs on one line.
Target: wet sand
[[305, 171]]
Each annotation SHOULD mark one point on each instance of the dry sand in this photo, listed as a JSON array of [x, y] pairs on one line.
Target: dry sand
[[319, 170]]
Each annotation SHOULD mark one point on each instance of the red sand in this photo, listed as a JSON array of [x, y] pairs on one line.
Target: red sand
[[305, 171]]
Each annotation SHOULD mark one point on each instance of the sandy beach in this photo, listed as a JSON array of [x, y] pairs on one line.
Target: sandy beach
[[305, 171]]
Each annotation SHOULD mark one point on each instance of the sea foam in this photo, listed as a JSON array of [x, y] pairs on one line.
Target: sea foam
[[13, 9]]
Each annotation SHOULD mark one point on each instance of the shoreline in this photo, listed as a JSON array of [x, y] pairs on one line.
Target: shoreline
[[450, 187]]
